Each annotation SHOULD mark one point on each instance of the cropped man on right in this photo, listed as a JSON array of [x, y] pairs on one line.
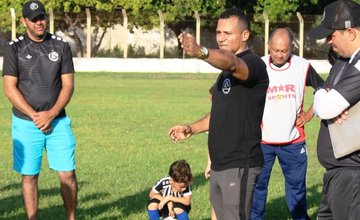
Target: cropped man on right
[[341, 182]]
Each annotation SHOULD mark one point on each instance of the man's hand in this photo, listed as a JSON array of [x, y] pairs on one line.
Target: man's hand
[[43, 120], [208, 168], [163, 202], [180, 132], [207, 171], [339, 119], [189, 45], [303, 118]]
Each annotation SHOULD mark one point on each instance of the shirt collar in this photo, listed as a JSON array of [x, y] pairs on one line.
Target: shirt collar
[[354, 54]]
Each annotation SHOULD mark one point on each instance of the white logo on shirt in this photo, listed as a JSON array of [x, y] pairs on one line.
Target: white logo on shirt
[[226, 86], [54, 56], [28, 57]]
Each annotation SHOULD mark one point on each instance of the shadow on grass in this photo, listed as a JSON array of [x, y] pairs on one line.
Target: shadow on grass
[[127, 205], [13, 204], [277, 208]]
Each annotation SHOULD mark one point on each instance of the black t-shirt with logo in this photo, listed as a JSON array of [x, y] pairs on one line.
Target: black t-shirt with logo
[[38, 67], [236, 115]]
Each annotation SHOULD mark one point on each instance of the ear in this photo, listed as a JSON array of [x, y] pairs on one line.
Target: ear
[[23, 22], [245, 35], [351, 33]]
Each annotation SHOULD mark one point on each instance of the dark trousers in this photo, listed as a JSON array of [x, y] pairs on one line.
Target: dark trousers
[[341, 194]]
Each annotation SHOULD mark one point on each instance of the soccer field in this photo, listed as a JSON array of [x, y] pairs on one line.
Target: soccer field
[[120, 121]]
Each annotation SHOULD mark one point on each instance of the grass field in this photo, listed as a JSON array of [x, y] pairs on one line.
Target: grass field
[[120, 121]]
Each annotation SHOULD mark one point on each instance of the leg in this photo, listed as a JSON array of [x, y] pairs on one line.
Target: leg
[[213, 216], [236, 187], [293, 161], [30, 195], [181, 211], [261, 187], [152, 207], [343, 193], [216, 198], [324, 212], [68, 185], [28, 143], [252, 177], [60, 149]]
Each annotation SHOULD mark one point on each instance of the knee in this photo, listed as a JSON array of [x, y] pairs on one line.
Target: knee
[[68, 178], [29, 179], [178, 210], [153, 206]]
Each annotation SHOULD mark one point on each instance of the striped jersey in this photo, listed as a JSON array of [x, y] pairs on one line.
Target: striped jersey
[[163, 187]]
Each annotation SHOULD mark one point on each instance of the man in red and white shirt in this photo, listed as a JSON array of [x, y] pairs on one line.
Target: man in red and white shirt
[[283, 123]]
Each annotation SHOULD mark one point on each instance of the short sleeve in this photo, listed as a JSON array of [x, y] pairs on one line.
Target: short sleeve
[[10, 66], [67, 64]]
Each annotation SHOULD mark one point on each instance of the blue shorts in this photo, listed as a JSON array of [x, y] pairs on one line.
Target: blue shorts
[[29, 143]]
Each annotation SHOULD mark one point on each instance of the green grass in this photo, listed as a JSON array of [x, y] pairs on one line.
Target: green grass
[[120, 121]]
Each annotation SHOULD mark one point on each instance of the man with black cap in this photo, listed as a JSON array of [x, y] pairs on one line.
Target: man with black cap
[[38, 74], [340, 26]]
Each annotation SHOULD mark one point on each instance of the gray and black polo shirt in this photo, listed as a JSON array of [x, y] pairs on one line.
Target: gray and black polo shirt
[[38, 67]]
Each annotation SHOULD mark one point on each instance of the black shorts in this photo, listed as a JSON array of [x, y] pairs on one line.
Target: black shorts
[[165, 211]]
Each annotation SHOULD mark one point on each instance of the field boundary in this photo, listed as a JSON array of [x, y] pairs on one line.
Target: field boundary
[[153, 65]]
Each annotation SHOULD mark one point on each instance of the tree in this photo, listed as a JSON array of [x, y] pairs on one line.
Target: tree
[[144, 13], [70, 14]]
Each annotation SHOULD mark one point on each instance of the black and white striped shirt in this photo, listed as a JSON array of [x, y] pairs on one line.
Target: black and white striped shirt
[[163, 187]]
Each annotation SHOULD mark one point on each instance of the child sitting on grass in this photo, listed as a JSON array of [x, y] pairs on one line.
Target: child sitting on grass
[[171, 195]]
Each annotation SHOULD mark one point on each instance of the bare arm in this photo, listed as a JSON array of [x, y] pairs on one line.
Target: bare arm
[[218, 58], [15, 97], [182, 132], [186, 200], [228, 61], [154, 195], [304, 117], [208, 166], [43, 119]]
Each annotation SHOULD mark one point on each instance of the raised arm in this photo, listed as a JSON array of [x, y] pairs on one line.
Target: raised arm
[[218, 58]]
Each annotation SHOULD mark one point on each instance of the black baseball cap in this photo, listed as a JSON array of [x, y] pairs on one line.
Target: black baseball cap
[[338, 15], [32, 9]]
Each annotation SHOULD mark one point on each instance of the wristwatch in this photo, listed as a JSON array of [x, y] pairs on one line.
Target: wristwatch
[[203, 53]]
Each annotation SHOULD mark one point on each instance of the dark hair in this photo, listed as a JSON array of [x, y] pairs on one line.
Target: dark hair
[[180, 172], [231, 12], [288, 31]]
